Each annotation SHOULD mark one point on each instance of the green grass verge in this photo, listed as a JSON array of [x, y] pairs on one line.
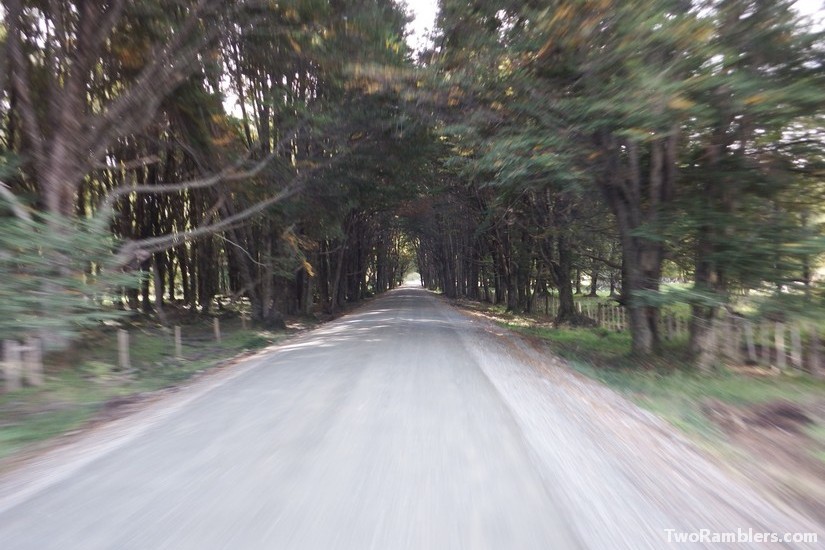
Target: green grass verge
[[667, 385], [89, 378]]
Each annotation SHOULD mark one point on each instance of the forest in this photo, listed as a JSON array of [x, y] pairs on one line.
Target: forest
[[292, 157]]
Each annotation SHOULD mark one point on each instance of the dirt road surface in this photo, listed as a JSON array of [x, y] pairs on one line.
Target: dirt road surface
[[406, 424]]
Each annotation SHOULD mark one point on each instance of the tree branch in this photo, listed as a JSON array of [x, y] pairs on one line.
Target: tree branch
[[142, 249], [141, 162], [170, 66], [228, 174], [608, 263]]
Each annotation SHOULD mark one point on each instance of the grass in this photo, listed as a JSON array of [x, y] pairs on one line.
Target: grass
[[817, 434], [89, 376], [732, 413], [666, 384]]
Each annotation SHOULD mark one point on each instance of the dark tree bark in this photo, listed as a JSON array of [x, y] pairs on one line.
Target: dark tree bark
[[636, 197], [594, 282], [563, 281]]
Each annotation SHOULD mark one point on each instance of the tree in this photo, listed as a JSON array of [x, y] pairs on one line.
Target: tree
[[634, 100], [56, 52], [27, 242], [136, 129], [745, 184]]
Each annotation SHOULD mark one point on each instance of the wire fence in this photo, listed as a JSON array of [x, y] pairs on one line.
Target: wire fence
[[796, 345]]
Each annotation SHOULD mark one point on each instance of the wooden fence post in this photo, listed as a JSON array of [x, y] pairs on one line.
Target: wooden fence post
[[12, 365], [779, 342], [732, 339], [749, 342], [764, 338], [178, 343], [710, 347], [34, 361], [123, 350], [796, 346], [217, 326], [815, 354]]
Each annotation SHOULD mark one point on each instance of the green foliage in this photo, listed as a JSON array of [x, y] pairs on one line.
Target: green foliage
[[806, 304], [673, 295], [701, 129], [543, 139], [666, 385], [73, 395], [56, 275]]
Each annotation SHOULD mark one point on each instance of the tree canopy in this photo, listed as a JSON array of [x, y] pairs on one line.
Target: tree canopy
[[298, 155]]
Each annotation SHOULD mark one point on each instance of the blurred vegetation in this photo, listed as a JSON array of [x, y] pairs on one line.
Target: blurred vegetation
[[198, 154], [290, 158], [57, 274], [632, 144], [96, 388], [665, 384]]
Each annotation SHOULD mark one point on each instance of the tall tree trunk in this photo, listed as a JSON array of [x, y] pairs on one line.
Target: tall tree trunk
[[157, 281], [336, 280], [563, 270], [594, 282], [642, 274], [636, 200]]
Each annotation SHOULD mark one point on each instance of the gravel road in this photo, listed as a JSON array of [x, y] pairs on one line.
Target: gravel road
[[406, 424]]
